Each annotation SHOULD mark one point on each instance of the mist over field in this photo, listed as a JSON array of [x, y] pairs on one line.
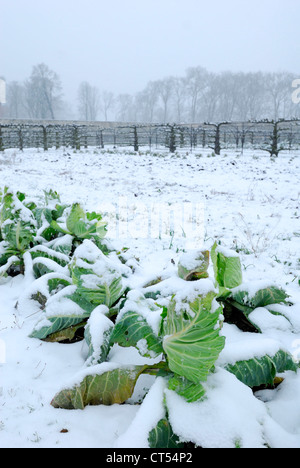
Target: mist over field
[[150, 61]]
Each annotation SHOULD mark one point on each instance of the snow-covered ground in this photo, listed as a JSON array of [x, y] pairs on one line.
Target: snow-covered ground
[[250, 202]]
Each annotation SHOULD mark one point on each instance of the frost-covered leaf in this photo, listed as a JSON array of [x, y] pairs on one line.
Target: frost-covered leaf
[[262, 371], [110, 387], [62, 244], [82, 302], [18, 234], [97, 336], [35, 297], [254, 372], [99, 279], [107, 293], [45, 215], [192, 342], [187, 389], [162, 436], [260, 298], [54, 324], [66, 335], [60, 313], [132, 329], [242, 302], [11, 261], [138, 324], [227, 267], [50, 210], [81, 225], [56, 283], [17, 223], [193, 265], [43, 266], [75, 218], [238, 314], [47, 252], [284, 361]]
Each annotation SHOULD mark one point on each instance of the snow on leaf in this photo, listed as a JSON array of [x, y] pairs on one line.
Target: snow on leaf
[[192, 345], [108, 388]]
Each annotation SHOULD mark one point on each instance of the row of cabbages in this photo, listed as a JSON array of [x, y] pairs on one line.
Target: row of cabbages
[[80, 288]]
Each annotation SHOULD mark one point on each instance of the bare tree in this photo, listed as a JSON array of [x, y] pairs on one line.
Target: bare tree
[[106, 103], [15, 100], [88, 101], [196, 80], [255, 95], [210, 98], [228, 96], [278, 88], [42, 92], [179, 94], [146, 102], [165, 91], [125, 108]]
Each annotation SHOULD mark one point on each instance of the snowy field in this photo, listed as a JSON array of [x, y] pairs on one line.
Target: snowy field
[[250, 203]]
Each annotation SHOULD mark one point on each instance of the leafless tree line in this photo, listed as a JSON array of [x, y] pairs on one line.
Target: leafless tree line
[[270, 136], [198, 96]]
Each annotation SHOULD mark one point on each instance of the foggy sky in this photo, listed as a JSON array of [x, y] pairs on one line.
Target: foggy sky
[[120, 45]]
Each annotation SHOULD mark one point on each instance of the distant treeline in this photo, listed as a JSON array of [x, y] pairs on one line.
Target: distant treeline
[[270, 136], [198, 96]]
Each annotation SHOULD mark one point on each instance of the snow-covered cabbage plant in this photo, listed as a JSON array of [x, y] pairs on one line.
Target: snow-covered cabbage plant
[[194, 265], [239, 300], [28, 226], [184, 336], [94, 279], [177, 325], [18, 229]]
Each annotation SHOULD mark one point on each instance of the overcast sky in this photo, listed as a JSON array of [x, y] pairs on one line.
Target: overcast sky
[[120, 45]]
